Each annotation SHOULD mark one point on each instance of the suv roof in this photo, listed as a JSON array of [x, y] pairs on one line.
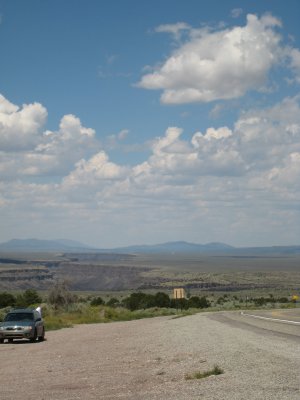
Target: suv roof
[[21, 310]]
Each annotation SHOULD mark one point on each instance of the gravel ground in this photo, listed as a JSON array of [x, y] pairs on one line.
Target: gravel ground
[[148, 359]]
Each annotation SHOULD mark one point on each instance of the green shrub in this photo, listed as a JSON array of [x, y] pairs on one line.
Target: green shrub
[[221, 300], [138, 301], [28, 298], [161, 300], [182, 304], [200, 375], [198, 302], [283, 300], [7, 299], [113, 302], [97, 301]]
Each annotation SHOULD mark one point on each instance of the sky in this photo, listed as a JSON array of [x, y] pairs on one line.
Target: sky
[[140, 122]]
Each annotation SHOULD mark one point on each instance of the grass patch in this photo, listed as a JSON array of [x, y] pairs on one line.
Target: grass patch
[[200, 375], [56, 322], [186, 313], [86, 314]]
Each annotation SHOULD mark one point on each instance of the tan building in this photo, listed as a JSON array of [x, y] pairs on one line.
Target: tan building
[[179, 293]]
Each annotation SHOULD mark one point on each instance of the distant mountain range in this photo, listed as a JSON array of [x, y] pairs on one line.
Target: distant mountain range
[[175, 247], [215, 248], [43, 245]]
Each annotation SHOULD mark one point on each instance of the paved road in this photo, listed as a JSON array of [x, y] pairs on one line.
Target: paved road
[[290, 315], [148, 359], [280, 323]]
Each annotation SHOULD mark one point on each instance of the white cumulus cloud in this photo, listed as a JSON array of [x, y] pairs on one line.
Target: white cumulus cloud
[[222, 64], [20, 128], [26, 149], [221, 179], [97, 168], [211, 134], [66, 146]]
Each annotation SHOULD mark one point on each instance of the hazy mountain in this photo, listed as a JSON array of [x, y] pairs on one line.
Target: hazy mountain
[[72, 243], [43, 245], [174, 247], [214, 248]]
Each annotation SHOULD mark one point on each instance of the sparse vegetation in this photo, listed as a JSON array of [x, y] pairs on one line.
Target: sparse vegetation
[[61, 308], [56, 319], [216, 370], [60, 295], [239, 275], [211, 283]]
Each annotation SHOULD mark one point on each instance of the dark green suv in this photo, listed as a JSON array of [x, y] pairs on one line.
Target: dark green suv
[[22, 323]]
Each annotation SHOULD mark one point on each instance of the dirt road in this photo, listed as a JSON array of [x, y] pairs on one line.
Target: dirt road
[[148, 359]]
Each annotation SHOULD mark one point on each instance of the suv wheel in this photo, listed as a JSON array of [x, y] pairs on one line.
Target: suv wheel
[[33, 339], [42, 337]]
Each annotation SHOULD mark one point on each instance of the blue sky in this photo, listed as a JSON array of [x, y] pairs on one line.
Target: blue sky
[[127, 122]]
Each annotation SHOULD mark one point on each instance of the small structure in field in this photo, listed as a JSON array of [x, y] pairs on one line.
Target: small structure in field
[[179, 293], [295, 298]]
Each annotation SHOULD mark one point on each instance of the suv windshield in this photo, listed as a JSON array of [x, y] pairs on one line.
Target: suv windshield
[[19, 317]]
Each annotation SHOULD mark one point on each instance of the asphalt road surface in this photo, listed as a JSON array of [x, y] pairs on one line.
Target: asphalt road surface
[[148, 359], [280, 323], [290, 316]]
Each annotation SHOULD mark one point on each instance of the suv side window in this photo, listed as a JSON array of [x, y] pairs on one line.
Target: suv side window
[[36, 315]]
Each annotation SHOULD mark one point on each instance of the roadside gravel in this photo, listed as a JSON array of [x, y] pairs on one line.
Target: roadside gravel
[[148, 359]]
